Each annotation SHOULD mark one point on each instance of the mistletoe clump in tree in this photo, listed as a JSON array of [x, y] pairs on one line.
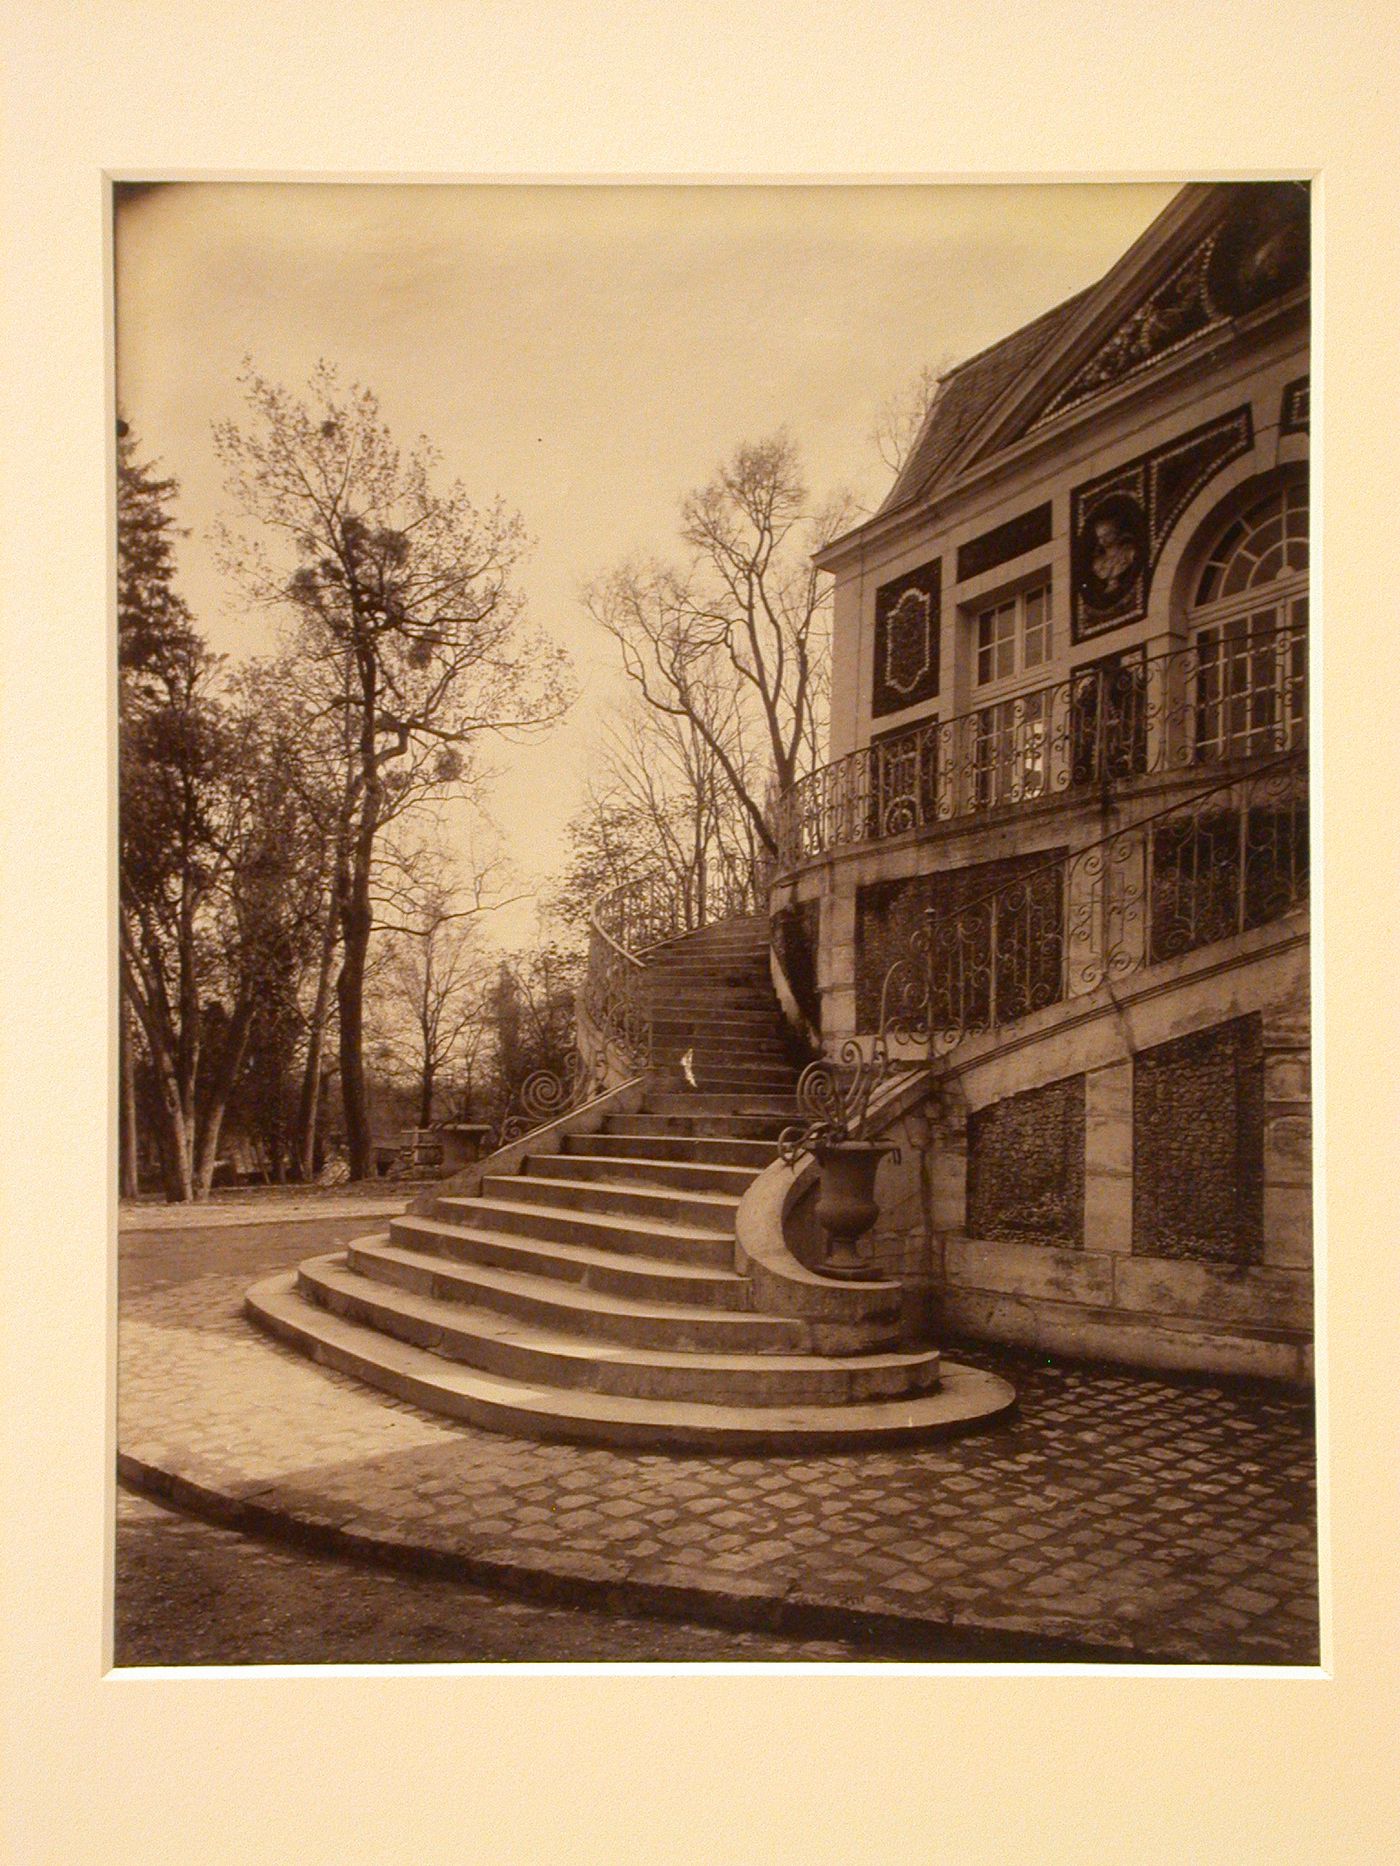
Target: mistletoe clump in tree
[[409, 638]]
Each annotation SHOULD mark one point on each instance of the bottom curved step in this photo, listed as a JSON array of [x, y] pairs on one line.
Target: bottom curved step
[[964, 1397]]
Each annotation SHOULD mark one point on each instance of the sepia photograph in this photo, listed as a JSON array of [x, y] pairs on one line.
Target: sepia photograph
[[695, 1015], [712, 923]]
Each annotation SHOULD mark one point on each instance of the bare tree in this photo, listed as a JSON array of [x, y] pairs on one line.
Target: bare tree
[[408, 634], [433, 995], [658, 794], [734, 643]]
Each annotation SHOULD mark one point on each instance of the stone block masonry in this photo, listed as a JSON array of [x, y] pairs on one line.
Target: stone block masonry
[[1154, 1210]]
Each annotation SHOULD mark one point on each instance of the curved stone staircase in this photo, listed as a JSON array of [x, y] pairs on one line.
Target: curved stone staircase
[[594, 1294]]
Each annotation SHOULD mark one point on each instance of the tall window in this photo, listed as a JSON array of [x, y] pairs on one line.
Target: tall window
[[1015, 636], [1249, 622]]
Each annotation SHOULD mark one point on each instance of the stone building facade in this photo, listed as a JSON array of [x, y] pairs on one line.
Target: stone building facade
[[1068, 754]]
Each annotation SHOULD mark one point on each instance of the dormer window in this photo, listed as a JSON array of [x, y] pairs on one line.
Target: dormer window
[[1015, 636]]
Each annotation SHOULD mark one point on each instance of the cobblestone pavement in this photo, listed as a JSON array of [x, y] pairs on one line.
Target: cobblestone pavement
[[189, 1593], [1116, 1515]]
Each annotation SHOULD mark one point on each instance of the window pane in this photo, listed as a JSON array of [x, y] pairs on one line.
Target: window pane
[[1037, 650]]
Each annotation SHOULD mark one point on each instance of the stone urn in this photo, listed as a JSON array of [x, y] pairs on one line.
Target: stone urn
[[846, 1204]]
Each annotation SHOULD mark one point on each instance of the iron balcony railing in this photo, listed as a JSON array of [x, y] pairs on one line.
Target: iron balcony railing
[[1230, 858], [1238, 692]]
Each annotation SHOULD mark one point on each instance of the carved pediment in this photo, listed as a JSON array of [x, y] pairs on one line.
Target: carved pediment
[[1178, 310], [1257, 251], [1184, 280]]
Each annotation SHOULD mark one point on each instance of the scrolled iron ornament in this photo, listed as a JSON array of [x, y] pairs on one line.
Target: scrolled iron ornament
[[833, 1094], [546, 1095]]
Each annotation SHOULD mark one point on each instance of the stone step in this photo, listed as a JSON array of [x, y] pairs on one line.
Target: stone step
[[658, 1145], [719, 1019], [546, 1302], [640, 1169], [679, 995], [963, 1398], [736, 926], [741, 1065], [599, 1230], [705, 1045], [751, 932], [694, 1075], [738, 1026], [774, 1107], [714, 973], [697, 1010], [713, 1081], [733, 969], [643, 1278], [714, 963], [711, 951], [516, 1350], [699, 1125], [712, 1210]]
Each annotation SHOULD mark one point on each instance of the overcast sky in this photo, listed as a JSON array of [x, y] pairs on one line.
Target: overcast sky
[[588, 353]]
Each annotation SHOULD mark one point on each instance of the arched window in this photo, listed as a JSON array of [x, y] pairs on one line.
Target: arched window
[[1249, 627]]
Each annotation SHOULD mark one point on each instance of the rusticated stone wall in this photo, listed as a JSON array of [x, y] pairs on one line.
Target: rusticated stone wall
[[1198, 1145], [1025, 1167]]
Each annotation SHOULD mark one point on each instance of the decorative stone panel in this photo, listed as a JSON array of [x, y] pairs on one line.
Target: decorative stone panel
[[1198, 1145], [1258, 252], [1026, 532], [1025, 1167], [1295, 411], [906, 640], [1120, 520]]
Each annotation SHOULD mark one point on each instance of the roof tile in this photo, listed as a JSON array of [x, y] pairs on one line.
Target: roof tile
[[967, 392]]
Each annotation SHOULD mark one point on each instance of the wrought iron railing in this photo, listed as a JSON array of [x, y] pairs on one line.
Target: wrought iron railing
[[613, 1018], [656, 904], [1234, 694], [1231, 857]]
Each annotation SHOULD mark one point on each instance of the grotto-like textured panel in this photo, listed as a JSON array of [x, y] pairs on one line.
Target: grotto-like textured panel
[[1029, 934], [796, 932], [1198, 1145], [1025, 1167]]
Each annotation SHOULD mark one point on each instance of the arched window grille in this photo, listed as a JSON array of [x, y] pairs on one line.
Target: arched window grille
[[1249, 626]]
